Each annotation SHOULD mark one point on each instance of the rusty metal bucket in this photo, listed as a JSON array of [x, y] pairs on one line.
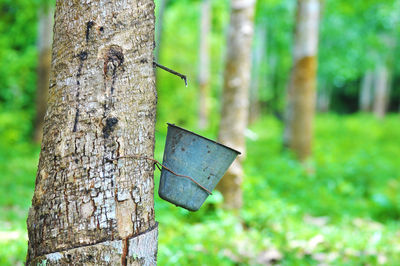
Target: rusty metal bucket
[[193, 166]]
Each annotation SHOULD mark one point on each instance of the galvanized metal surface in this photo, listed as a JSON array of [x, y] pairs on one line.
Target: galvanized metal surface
[[187, 153]]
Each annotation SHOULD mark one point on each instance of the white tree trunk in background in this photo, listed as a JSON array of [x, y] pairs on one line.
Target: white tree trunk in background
[[323, 98], [301, 96], [366, 93], [258, 56], [204, 64], [235, 98], [91, 207], [381, 85]]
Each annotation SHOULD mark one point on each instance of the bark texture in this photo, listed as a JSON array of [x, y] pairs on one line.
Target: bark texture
[[300, 107], [87, 207], [45, 39], [381, 91], [235, 98], [204, 64], [366, 93]]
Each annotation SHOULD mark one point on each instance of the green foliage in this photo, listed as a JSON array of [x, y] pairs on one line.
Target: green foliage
[[279, 34], [361, 46], [18, 163], [176, 103], [17, 52], [356, 36]]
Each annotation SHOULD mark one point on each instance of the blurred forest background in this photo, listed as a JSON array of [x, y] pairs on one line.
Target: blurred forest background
[[338, 205]]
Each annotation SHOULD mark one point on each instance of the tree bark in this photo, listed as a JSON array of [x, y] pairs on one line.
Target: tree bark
[[89, 205], [235, 99], [159, 28], [381, 91], [366, 92], [204, 64], [45, 39], [300, 107]]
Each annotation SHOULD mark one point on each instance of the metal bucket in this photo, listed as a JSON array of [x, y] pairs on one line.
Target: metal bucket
[[191, 155]]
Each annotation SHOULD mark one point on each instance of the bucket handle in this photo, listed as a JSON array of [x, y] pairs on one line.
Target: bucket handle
[[160, 166]]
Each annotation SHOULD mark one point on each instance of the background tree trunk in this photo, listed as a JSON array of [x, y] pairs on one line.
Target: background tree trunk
[[204, 64], [235, 97], [272, 104], [259, 51], [45, 39], [381, 91], [366, 92], [89, 205], [159, 28], [323, 98], [300, 107]]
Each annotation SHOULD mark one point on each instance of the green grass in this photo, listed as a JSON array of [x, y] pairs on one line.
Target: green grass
[[343, 208]]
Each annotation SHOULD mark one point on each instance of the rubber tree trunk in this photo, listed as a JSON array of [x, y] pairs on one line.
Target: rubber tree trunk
[[159, 27], [235, 98], [204, 64], [273, 84], [45, 40], [381, 91], [301, 96], [323, 98], [91, 207], [258, 56], [366, 93]]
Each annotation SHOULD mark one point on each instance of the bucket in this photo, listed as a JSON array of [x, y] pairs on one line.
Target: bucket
[[193, 166]]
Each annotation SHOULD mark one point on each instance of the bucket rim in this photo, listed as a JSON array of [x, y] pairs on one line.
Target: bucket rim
[[220, 144]]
